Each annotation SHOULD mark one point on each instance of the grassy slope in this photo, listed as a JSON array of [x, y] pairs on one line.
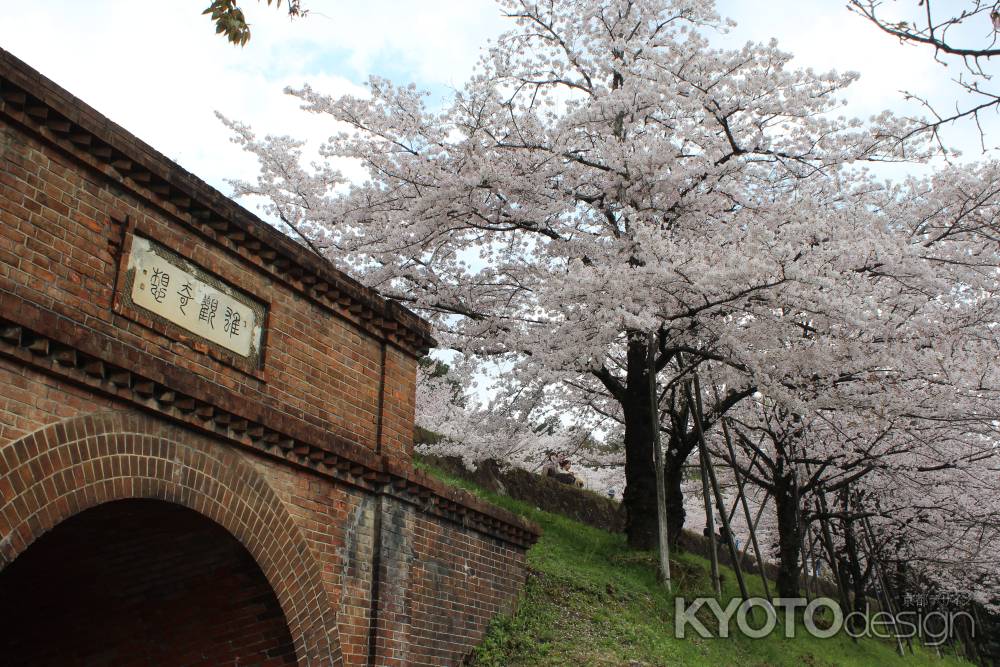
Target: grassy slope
[[591, 601]]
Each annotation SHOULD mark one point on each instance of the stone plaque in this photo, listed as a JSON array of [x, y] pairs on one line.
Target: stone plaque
[[172, 288]]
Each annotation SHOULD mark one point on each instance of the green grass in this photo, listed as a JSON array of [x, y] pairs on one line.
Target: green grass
[[589, 600]]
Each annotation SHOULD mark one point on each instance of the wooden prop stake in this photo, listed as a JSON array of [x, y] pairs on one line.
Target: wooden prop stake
[[661, 508], [751, 524], [719, 501]]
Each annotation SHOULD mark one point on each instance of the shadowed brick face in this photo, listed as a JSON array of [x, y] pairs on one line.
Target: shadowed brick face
[[149, 583], [289, 525]]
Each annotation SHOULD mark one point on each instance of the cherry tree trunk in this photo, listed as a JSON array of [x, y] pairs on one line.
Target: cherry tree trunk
[[854, 564], [789, 537], [673, 476], [639, 497]]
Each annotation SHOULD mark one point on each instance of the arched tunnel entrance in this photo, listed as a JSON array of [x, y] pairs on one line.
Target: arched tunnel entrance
[[140, 583]]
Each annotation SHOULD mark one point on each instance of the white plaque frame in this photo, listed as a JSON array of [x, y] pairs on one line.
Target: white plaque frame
[[173, 290]]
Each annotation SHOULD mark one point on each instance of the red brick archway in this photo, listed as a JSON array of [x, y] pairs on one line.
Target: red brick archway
[[136, 583], [63, 469]]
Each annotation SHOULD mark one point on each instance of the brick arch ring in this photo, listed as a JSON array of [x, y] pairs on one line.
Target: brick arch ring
[[68, 467]]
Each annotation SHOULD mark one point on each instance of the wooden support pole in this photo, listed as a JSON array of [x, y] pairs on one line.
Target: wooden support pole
[[740, 485], [661, 500], [751, 525], [869, 538], [709, 519], [797, 499], [810, 553], [719, 501], [756, 522], [824, 524]]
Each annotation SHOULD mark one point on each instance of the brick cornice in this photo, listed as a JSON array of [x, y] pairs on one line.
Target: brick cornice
[[56, 116], [61, 347]]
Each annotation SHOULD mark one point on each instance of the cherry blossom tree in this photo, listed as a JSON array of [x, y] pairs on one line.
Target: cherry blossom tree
[[935, 510], [610, 197], [921, 479], [896, 394], [606, 180]]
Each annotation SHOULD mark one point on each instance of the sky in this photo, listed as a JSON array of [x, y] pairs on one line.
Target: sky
[[158, 69]]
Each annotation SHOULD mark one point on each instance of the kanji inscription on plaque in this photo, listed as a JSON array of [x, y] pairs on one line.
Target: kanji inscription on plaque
[[179, 292]]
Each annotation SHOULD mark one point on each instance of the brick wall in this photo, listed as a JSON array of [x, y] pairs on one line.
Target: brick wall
[[61, 235], [30, 400], [306, 459], [440, 586]]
